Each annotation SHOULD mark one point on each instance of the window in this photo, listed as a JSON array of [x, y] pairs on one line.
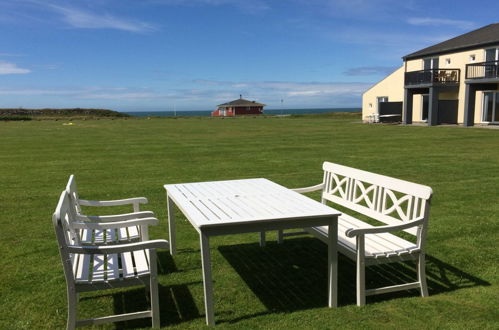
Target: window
[[472, 58], [491, 54], [430, 63]]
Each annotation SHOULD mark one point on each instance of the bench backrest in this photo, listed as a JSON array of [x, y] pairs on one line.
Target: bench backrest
[[72, 190], [380, 197], [62, 218]]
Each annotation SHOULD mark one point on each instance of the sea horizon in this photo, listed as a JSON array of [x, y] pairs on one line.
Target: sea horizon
[[205, 113]]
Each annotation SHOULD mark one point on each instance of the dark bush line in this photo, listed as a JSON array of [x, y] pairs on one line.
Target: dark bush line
[[61, 112], [14, 118]]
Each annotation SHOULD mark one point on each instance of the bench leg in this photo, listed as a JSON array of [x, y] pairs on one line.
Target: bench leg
[[422, 275], [262, 239], [280, 236], [72, 302], [361, 272]]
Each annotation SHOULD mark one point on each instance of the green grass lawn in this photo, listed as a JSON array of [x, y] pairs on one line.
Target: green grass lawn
[[279, 286]]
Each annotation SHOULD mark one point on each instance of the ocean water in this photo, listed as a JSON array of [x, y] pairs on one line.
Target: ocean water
[[207, 113]]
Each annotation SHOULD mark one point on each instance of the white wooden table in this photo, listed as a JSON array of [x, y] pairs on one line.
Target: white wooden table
[[243, 206]]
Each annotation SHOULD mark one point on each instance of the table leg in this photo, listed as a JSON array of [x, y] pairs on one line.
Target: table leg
[[207, 281], [333, 264], [171, 226]]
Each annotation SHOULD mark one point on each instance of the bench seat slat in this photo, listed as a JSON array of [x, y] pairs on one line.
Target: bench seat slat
[[82, 262], [122, 234], [376, 245], [98, 237], [113, 270], [127, 265], [98, 268], [133, 233], [86, 236], [141, 262]]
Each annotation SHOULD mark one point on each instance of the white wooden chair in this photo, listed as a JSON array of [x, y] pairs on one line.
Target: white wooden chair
[[400, 205], [131, 233], [91, 268]]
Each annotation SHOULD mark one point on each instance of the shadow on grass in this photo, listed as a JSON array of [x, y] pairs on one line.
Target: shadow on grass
[[175, 301], [293, 276]]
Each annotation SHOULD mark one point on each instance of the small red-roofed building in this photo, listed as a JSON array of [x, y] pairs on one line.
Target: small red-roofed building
[[238, 107]]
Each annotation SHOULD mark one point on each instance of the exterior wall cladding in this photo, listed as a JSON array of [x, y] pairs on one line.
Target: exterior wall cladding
[[229, 112], [473, 75]]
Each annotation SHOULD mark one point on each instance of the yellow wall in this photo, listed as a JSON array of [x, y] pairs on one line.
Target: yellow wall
[[393, 85]]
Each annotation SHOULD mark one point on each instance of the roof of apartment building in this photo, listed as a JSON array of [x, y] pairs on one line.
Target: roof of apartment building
[[481, 37]]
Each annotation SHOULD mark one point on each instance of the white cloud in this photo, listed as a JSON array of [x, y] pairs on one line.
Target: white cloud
[[86, 20], [199, 94], [11, 68], [428, 21], [120, 96], [306, 94]]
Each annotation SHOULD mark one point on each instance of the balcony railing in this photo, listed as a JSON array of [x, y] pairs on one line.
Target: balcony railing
[[433, 76], [482, 70]]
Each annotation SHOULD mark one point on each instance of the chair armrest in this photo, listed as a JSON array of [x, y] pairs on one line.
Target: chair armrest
[[116, 217], [309, 189], [383, 229], [115, 224], [119, 248], [126, 201]]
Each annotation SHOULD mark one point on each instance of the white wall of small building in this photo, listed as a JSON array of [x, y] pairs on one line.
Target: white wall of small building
[[392, 87]]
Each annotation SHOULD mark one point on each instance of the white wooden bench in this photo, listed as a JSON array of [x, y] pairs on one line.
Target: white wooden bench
[[91, 268], [95, 235], [400, 205]]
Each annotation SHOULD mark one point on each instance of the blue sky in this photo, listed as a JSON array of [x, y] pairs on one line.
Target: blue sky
[[194, 54]]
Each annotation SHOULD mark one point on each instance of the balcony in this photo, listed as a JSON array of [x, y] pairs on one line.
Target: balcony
[[483, 70], [433, 77]]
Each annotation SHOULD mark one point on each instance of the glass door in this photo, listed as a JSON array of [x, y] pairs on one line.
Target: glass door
[[491, 107], [425, 101]]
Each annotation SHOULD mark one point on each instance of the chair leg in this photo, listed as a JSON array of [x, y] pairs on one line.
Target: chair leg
[[421, 264], [280, 236], [153, 291], [361, 272], [72, 302]]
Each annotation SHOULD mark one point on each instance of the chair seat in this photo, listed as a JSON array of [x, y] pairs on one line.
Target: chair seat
[[95, 268], [384, 245], [109, 236]]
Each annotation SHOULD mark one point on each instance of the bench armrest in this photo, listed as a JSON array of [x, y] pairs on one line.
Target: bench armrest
[[115, 224], [383, 229], [119, 248], [309, 189], [127, 201], [116, 217]]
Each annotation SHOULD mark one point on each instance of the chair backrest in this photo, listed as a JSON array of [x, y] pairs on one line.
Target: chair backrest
[[72, 190], [380, 197], [66, 236]]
